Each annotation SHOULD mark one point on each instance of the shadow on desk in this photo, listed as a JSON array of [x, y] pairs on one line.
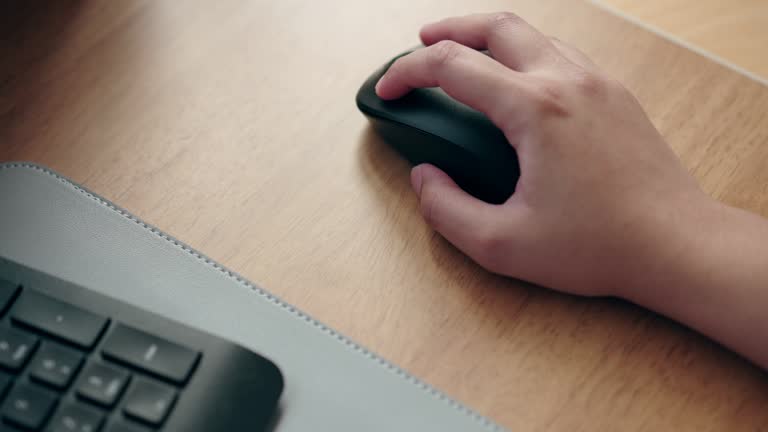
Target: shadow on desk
[[50, 73], [30, 32]]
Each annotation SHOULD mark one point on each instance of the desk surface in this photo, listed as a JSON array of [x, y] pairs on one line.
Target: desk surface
[[232, 126], [732, 29]]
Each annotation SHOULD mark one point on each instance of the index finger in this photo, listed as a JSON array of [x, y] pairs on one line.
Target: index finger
[[465, 74], [510, 39]]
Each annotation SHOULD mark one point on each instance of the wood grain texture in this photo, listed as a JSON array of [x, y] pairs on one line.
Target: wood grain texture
[[232, 126], [736, 30]]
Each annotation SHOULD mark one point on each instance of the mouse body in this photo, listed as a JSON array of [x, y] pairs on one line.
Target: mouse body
[[429, 126]]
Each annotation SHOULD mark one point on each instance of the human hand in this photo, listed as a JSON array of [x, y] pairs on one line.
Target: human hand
[[602, 200]]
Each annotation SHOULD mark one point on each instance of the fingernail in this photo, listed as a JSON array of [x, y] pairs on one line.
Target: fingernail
[[416, 180], [376, 88]]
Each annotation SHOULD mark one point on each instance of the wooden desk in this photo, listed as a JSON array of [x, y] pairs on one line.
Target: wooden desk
[[732, 29], [232, 125]]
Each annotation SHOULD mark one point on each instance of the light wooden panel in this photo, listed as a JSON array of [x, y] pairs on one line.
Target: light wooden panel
[[736, 30]]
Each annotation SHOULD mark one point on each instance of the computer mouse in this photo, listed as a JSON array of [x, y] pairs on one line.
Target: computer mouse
[[429, 126]]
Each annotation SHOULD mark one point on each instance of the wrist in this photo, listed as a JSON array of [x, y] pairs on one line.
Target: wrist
[[675, 250], [714, 279]]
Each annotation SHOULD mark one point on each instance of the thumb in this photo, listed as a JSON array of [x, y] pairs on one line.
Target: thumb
[[473, 226]]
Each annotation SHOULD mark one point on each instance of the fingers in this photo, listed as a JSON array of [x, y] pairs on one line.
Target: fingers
[[510, 39], [465, 74], [466, 222]]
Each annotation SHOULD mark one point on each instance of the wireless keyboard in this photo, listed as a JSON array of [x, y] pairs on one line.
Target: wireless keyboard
[[73, 360]]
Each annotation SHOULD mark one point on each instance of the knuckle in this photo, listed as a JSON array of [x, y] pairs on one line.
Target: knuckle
[[443, 53], [510, 114], [503, 20], [548, 98], [589, 83]]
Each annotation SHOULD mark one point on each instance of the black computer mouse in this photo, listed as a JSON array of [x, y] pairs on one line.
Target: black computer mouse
[[428, 126]]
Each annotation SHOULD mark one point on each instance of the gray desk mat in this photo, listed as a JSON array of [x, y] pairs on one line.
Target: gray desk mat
[[332, 384]]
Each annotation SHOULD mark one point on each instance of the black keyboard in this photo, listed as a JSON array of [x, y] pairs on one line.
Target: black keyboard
[[73, 360]]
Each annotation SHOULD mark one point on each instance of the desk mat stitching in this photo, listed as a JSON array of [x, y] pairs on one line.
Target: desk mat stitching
[[432, 391]]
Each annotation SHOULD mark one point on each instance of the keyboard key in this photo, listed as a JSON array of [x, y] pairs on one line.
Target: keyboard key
[[76, 417], [15, 348], [122, 426], [57, 318], [55, 365], [28, 406], [102, 384], [7, 291], [5, 383], [150, 353], [149, 401]]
